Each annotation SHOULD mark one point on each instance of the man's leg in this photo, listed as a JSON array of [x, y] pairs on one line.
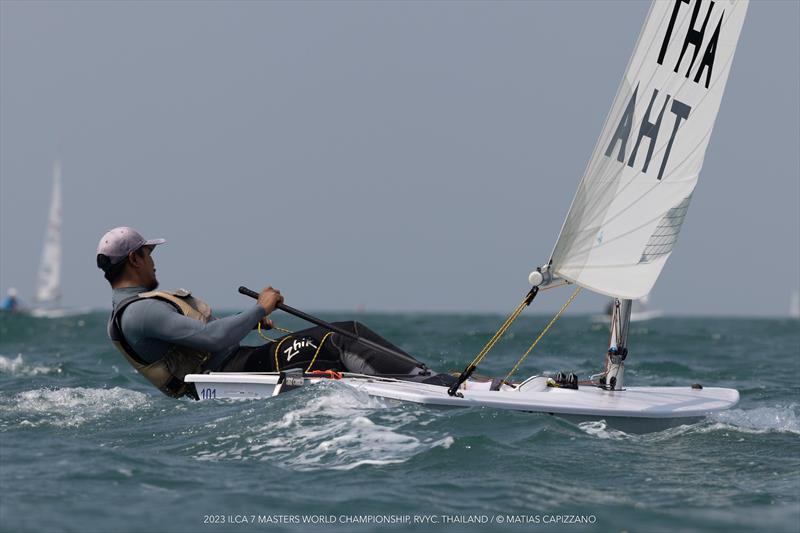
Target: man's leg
[[296, 350], [302, 350], [362, 359]]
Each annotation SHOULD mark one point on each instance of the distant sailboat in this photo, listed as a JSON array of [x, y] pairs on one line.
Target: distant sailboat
[[640, 312], [47, 302], [794, 304]]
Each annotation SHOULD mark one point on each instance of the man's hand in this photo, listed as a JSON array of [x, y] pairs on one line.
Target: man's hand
[[269, 299]]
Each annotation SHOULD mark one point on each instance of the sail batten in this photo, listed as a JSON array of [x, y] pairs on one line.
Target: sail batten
[[631, 202]]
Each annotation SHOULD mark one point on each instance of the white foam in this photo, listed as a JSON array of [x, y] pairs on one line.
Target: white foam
[[761, 419], [335, 427], [70, 407], [779, 419], [600, 429], [18, 367]]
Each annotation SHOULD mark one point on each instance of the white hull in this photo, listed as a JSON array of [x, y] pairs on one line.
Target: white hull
[[43, 312], [657, 406]]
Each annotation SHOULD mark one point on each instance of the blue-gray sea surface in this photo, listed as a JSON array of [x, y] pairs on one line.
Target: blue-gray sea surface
[[88, 445]]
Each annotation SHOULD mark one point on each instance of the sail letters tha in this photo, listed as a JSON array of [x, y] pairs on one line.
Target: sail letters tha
[[694, 37]]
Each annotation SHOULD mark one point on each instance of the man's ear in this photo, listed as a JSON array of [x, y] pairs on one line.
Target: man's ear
[[134, 259]]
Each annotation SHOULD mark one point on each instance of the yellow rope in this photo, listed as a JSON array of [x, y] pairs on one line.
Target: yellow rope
[[273, 327], [318, 350], [558, 315], [278, 347], [507, 324], [262, 335]]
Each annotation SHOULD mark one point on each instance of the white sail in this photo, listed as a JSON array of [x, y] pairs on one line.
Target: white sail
[[48, 290], [630, 204]]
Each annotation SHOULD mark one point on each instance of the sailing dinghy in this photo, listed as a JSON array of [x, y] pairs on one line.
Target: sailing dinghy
[[640, 312], [617, 236], [47, 302]]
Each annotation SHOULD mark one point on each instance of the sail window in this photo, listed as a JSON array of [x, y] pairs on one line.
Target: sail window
[[666, 233]]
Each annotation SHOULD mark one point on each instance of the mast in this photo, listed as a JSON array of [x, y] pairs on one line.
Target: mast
[[612, 377]]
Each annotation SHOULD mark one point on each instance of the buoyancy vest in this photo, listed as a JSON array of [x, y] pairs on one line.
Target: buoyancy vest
[[168, 372]]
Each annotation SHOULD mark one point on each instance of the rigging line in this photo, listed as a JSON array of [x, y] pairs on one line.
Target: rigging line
[[507, 324], [319, 348], [500, 332], [278, 347], [262, 335], [273, 327], [467, 372], [553, 321]]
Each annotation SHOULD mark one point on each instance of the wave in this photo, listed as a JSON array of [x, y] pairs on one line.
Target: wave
[[334, 427], [18, 367], [778, 419], [601, 430], [781, 419], [67, 407]]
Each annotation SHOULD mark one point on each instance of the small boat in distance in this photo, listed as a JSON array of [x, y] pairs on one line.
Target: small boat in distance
[[640, 312], [47, 301]]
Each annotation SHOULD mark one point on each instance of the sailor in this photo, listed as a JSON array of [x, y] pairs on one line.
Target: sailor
[[10, 302], [166, 335]]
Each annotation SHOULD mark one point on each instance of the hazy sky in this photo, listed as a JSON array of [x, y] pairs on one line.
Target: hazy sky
[[399, 156]]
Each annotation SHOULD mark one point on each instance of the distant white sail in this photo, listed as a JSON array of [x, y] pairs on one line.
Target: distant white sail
[[630, 204], [48, 290]]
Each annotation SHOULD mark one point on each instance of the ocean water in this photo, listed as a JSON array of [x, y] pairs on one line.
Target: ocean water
[[87, 445]]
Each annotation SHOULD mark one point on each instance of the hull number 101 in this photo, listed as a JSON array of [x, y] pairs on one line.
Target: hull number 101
[[208, 394]]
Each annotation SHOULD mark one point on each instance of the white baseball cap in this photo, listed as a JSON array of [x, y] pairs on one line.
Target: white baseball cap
[[117, 243]]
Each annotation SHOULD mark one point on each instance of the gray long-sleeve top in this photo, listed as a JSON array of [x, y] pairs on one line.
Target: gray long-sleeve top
[[151, 325]]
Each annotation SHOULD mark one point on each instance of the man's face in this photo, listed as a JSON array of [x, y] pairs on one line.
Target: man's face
[[149, 269]]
